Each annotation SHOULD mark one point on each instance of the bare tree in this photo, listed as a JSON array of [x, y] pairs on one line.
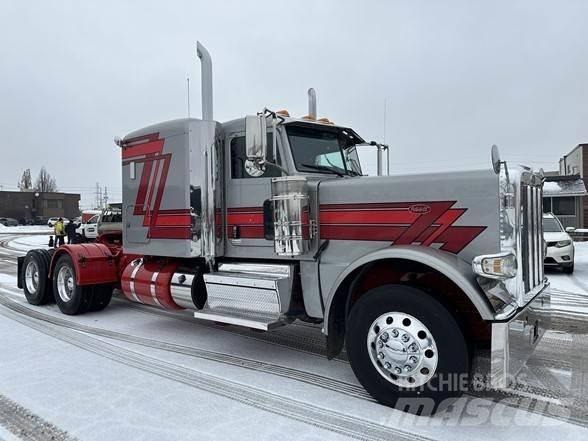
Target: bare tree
[[45, 183], [26, 183]]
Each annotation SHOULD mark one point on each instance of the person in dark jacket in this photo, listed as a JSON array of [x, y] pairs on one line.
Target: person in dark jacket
[[70, 230]]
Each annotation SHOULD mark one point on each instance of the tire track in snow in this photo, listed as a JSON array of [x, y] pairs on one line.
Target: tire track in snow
[[321, 381], [26, 425], [301, 411], [536, 396]]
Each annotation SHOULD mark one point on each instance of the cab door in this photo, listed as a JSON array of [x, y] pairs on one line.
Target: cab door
[[245, 197]]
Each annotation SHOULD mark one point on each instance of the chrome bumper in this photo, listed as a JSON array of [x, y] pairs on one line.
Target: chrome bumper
[[514, 341]]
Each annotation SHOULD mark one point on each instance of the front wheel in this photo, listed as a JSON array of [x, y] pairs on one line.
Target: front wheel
[[407, 349]]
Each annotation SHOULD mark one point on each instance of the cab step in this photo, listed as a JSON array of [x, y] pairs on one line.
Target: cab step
[[253, 296]]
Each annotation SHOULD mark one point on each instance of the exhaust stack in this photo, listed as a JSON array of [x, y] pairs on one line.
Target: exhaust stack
[[311, 103], [206, 76]]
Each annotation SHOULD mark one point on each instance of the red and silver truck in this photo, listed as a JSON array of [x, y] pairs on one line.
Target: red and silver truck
[[268, 219]]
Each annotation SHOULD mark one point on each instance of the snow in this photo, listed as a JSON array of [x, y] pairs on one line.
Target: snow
[[26, 229], [26, 243], [94, 398], [570, 290], [7, 280]]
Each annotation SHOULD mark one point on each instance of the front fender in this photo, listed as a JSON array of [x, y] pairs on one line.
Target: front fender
[[448, 264]]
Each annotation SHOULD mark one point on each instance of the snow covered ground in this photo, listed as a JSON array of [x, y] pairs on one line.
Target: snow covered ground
[[26, 229], [138, 373]]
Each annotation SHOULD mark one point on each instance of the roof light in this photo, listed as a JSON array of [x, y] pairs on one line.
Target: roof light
[[326, 121], [309, 118], [283, 112]]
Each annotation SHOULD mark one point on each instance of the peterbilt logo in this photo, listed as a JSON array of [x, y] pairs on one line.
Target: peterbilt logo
[[420, 209]]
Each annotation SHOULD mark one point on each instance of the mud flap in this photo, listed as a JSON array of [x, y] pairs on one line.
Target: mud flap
[[19, 265]]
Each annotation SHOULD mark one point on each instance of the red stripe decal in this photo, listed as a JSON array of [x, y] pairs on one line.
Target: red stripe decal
[[148, 148], [405, 223]]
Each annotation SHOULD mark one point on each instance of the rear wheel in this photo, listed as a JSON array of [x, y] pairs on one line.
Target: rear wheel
[[37, 286], [407, 349], [71, 298], [101, 296]]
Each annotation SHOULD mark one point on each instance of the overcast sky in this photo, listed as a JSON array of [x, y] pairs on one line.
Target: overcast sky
[[456, 77]]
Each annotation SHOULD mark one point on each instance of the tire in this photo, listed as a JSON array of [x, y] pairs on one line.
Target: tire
[[36, 284], [101, 296], [71, 298], [440, 366], [568, 269]]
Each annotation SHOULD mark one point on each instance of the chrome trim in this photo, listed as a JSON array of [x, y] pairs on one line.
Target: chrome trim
[[254, 322], [181, 290], [290, 201], [521, 231], [153, 286], [206, 79], [244, 298], [138, 263], [32, 277], [257, 268], [402, 349], [477, 265], [513, 341], [65, 283]]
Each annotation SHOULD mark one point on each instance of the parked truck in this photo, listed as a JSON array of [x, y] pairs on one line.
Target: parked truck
[[268, 219]]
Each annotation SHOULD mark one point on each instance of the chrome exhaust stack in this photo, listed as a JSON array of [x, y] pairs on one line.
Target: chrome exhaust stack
[[206, 78]]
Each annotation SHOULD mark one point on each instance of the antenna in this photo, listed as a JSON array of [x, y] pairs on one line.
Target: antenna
[[188, 81]]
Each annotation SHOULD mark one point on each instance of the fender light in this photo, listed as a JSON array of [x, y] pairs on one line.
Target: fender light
[[495, 266]]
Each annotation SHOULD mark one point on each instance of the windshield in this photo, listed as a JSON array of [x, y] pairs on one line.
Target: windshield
[[551, 225], [320, 151]]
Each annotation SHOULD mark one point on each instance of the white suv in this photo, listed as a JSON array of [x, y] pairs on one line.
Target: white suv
[[560, 246]]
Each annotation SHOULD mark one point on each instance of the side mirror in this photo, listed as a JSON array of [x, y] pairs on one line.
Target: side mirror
[[495, 159], [255, 144], [570, 229]]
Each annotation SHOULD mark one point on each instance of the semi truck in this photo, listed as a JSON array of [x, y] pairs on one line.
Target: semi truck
[[268, 219]]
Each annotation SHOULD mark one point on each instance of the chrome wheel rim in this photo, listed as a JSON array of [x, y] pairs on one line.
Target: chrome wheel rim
[[402, 349], [32, 277], [65, 283]]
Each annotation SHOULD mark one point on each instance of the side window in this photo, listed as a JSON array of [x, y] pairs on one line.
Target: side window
[[238, 158]]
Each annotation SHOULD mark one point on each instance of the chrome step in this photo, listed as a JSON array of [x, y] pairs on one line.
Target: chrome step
[[232, 317], [253, 296]]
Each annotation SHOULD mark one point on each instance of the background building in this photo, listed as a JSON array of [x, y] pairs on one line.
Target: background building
[[29, 205], [572, 206], [564, 197]]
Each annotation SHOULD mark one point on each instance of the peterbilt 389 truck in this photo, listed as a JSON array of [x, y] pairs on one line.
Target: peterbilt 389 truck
[[267, 219]]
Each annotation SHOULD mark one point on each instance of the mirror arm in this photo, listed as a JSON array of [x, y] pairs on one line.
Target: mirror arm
[[279, 167]]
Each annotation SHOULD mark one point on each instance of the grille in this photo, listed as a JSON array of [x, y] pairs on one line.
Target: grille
[[532, 235]]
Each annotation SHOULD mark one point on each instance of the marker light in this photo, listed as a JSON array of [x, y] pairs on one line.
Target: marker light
[[495, 266]]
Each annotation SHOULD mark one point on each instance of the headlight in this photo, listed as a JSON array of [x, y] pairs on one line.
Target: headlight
[[496, 266], [563, 243]]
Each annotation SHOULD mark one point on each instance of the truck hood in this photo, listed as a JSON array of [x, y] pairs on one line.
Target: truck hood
[[455, 212]]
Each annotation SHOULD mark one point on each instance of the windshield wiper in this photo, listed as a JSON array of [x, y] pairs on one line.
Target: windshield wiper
[[323, 168]]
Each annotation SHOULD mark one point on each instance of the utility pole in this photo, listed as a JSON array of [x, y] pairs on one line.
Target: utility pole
[[105, 196]]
